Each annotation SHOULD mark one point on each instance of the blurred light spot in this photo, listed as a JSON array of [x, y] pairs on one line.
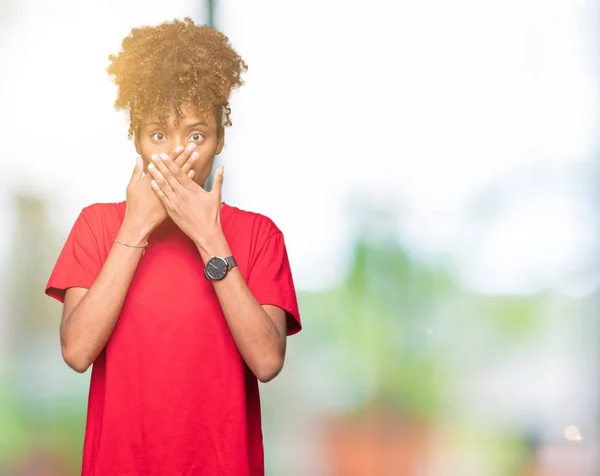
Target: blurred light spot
[[572, 433]]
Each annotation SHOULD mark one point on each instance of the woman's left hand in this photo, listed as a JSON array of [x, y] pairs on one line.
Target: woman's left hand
[[194, 210]]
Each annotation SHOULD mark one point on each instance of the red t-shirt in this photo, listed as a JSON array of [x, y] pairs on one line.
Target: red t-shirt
[[170, 394]]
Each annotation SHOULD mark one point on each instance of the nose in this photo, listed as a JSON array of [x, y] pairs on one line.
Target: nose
[[184, 143], [178, 143]]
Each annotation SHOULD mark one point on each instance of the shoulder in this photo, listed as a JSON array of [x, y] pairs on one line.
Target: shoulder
[[100, 212], [100, 219], [260, 227]]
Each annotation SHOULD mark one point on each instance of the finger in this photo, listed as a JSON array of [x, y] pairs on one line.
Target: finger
[[218, 183], [175, 171], [190, 163], [160, 194], [171, 172], [176, 152], [138, 171], [159, 177], [185, 155]]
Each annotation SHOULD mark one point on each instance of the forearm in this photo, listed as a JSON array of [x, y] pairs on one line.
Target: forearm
[[86, 330], [258, 339]]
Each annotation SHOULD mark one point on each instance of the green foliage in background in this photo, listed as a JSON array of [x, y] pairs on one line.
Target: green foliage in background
[[49, 433], [388, 330], [382, 316]]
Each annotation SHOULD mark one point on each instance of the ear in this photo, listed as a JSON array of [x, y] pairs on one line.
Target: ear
[[220, 139]]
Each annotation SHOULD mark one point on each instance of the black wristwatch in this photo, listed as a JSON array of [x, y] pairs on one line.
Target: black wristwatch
[[216, 268]]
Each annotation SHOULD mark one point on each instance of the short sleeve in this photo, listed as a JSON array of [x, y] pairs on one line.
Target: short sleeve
[[79, 262], [271, 282]]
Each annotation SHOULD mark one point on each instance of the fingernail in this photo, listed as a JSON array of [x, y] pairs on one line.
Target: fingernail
[[194, 155], [154, 157], [220, 170], [191, 173], [138, 161], [164, 156], [150, 166], [179, 149], [191, 146]]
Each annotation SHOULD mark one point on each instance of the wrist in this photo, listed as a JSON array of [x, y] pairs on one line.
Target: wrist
[[132, 234], [213, 245]]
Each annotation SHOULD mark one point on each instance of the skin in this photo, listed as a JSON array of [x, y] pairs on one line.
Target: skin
[[177, 159], [195, 130]]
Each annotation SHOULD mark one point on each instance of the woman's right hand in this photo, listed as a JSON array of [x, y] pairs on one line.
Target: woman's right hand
[[144, 210]]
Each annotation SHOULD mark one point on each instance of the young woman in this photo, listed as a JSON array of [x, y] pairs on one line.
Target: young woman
[[180, 301]]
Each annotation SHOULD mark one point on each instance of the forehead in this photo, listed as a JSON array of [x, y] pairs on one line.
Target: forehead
[[189, 115]]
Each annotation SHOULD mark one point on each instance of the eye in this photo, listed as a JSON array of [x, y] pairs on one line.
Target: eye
[[196, 137], [159, 136]]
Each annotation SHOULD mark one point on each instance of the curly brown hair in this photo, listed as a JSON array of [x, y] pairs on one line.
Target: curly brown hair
[[162, 68]]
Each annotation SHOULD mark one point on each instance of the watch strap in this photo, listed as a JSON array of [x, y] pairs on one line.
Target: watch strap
[[230, 262]]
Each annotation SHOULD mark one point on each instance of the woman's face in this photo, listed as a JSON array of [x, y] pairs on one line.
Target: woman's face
[[157, 138]]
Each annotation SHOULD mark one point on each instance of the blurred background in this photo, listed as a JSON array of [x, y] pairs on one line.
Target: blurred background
[[434, 167]]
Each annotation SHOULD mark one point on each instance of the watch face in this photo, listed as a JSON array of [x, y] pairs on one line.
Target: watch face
[[216, 268]]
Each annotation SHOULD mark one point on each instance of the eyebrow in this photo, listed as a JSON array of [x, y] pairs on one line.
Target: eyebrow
[[153, 124], [189, 126], [196, 124]]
